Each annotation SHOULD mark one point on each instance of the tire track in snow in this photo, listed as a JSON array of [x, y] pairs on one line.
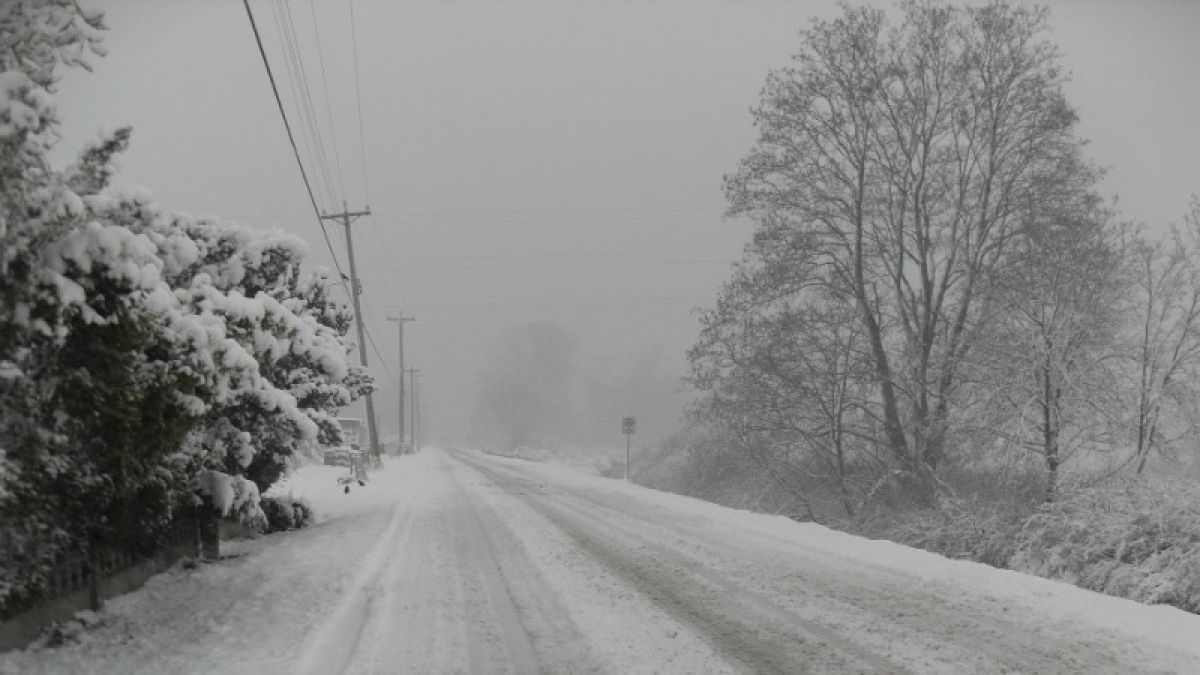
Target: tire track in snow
[[582, 618], [546, 626], [461, 594], [880, 607], [844, 584], [761, 637], [517, 645], [333, 644]]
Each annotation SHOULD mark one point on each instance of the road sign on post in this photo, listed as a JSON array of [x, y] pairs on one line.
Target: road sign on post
[[628, 427]]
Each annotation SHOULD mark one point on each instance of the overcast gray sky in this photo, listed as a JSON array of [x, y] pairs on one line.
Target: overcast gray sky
[[553, 161]]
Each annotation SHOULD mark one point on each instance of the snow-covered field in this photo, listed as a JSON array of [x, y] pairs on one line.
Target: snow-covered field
[[452, 561]]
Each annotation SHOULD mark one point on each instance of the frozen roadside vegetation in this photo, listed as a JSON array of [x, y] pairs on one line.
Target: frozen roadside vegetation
[[1137, 541], [248, 612], [1132, 538]]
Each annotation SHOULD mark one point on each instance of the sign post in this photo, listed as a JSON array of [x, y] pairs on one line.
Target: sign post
[[628, 427]]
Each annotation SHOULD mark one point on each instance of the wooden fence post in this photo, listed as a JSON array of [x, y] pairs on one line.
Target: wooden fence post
[[210, 534], [92, 570]]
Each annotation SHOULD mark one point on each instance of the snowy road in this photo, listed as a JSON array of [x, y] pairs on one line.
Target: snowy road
[[452, 561]]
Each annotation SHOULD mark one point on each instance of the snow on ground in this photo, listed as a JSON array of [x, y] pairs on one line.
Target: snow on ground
[[590, 459], [897, 607], [454, 561], [249, 612]]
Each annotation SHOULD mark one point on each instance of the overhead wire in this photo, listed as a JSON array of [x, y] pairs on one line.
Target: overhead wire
[[382, 363], [304, 94], [325, 88], [641, 303], [311, 107], [358, 99], [295, 150], [375, 261], [556, 254], [519, 218], [362, 146], [300, 162], [304, 136]]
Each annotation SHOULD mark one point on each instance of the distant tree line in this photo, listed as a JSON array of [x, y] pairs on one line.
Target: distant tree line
[[149, 362], [537, 392]]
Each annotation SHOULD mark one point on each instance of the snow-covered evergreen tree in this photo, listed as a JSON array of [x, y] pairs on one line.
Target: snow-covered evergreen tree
[[146, 358], [285, 323]]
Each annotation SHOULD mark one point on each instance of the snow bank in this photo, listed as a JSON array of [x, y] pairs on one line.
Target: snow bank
[[1054, 601]]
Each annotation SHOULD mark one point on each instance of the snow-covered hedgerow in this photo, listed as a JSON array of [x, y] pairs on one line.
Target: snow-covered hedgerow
[[148, 360], [1137, 540], [1132, 538]]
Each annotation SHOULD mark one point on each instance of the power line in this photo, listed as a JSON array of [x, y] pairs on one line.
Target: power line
[[325, 87], [568, 265], [540, 217], [303, 94], [362, 141], [304, 138], [391, 273], [295, 150], [644, 303], [558, 254], [382, 363], [358, 97], [304, 175], [500, 213]]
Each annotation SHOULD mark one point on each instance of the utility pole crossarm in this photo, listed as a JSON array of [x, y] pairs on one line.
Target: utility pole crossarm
[[344, 215]]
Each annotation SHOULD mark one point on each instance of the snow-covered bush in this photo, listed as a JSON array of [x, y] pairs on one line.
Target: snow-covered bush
[[285, 512], [147, 359], [277, 367], [961, 528], [234, 498], [1139, 540]]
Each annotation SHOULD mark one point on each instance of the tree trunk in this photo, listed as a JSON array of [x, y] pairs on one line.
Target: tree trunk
[[1050, 449], [887, 389]]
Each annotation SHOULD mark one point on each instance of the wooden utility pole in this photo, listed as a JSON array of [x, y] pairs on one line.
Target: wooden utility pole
[[413, 373], [400, 324], [348, 217], [628, 427]]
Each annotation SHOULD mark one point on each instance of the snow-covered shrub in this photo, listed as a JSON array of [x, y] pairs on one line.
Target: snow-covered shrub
[[286, 512], [142, 353], [279, 360], [1138, 540], [961, 528], [68, 632], [979, 507], [234, 498]]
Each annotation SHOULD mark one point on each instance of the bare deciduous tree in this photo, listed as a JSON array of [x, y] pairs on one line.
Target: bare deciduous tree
[[1166, 349], [1051, 362], [909, 160]]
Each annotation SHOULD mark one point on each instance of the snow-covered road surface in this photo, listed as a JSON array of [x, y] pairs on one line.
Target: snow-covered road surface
[[452, 561]]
